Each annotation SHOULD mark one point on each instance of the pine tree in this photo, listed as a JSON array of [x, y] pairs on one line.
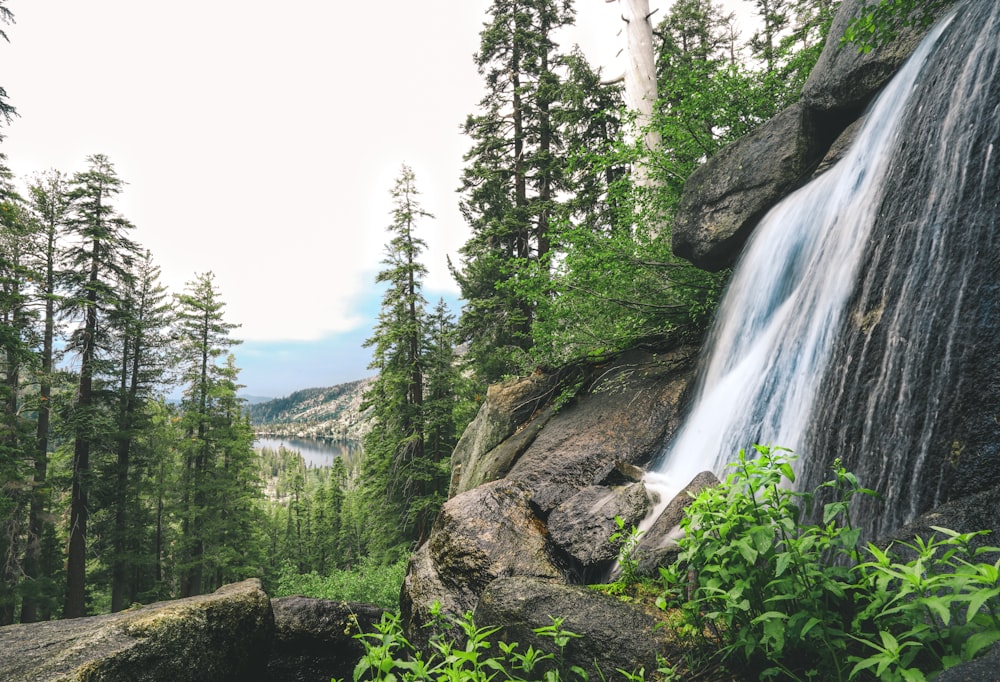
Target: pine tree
[[140, 319], [50, 204], [510, 184], [214, 431], [16, 320], [444, 380], [394, 447], [774, 18], [151, 506], [99, 260], [594, 227], [235, 489]]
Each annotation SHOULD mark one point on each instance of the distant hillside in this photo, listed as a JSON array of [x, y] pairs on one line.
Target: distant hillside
[[333, 412]]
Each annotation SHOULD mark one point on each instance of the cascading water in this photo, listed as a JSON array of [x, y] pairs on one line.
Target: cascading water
[[810, 290], [911, 399]]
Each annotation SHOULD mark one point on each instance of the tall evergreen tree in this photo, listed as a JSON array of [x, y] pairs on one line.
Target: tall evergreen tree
[[50, 205], [235, 485], [210, 413], [774, 18], [160, 443], [513, 175], [100, 258], [444, 395], [15, 355], [394, 447], [141, 320]]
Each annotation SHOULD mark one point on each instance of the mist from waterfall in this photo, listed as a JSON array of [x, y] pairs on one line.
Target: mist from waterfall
[[776, 327]]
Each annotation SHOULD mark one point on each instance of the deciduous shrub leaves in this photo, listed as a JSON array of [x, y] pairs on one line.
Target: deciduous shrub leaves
[[783, 598]]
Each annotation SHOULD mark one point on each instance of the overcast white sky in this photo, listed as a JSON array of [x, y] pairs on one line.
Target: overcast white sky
[[260, 141]]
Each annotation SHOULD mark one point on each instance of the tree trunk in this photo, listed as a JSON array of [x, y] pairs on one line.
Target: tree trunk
[[76, 559], [36, 512], [640, 78]]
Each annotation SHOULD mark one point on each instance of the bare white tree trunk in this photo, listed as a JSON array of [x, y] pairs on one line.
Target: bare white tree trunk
[[640, 76], [640, 66]]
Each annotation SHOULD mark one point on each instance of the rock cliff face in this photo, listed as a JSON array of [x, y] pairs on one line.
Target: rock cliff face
[[726, 197], [542, 503], [331, 413], [913, 388]]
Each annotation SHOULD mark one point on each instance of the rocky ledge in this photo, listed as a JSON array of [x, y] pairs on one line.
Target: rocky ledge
[[235, 633], [221, 636]]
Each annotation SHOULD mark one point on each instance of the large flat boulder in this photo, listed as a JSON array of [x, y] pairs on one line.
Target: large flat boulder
[[726, 197], [216, 637]]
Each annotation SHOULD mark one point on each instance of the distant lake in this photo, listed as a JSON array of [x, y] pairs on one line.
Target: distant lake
[[316, 453]]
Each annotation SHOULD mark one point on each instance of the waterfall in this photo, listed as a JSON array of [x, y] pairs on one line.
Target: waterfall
[[790, 360]]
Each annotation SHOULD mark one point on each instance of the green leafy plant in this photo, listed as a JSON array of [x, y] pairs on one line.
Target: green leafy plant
[[371, 582], [463, 652], [628, 541], [768, 589], [781, 598], [881, 21], [930, 613]]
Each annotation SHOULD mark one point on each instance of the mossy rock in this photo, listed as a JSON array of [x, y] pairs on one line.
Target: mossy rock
[[222, 636]]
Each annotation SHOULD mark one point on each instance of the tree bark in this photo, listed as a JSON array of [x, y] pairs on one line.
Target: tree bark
[[36, 512], [76, 560]]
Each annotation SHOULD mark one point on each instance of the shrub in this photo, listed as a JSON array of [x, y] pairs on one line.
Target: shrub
[[370, 582], [469, 656], [781, 598]]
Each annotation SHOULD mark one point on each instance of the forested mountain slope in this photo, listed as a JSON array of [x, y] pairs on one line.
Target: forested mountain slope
[[331, 412]]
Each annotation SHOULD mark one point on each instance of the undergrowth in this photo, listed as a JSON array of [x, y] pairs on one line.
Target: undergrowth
[[776, 597], [470, 655], [369, 582]]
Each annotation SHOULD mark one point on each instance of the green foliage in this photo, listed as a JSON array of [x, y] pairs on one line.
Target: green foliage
[[783, 598], [628, 541], [512, 183], [466, 653], [881, 22], [370, 582], [570, 209], [416, 400], [934, 611]]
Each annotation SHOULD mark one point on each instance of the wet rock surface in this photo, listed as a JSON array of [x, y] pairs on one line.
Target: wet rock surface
[[583, 525], [725, 198]]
